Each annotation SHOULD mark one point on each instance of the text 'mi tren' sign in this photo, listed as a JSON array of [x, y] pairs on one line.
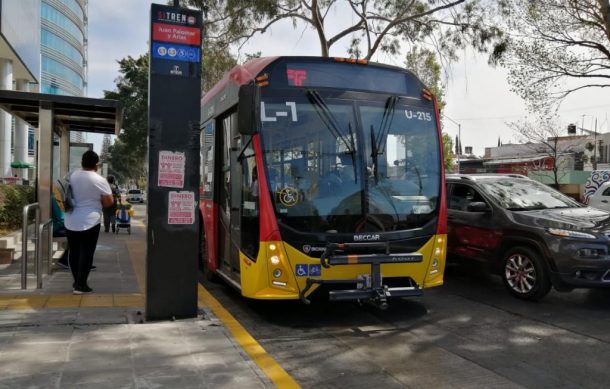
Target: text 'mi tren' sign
[[176, 43], [174, 93]]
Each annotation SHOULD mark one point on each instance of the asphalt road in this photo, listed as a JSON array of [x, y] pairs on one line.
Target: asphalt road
[[469, 333]]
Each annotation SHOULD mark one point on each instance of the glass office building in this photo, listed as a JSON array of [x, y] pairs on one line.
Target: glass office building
[[63, 49]]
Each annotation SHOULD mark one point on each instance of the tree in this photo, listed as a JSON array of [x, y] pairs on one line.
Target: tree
[[424, 64], [557, 47], [127, 155], [448, 151], [543, 136], [106, 143], [370, 26]]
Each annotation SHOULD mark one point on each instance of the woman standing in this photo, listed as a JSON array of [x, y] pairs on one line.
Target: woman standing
[[91, 194]]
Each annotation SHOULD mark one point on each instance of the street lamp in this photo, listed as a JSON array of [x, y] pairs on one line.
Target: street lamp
[[459, 145]]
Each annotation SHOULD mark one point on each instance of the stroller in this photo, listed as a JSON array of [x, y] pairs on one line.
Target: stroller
[[123, 217]]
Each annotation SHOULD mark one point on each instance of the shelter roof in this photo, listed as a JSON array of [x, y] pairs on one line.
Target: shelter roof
[[85, 114]]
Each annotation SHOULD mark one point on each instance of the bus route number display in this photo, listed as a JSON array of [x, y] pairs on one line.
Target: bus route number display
[[181, 208]]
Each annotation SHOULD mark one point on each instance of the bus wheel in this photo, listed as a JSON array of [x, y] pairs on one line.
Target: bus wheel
[[524, 274]]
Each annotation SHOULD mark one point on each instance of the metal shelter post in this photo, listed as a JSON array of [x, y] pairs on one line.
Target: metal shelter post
[[64, 152], [45, 160]]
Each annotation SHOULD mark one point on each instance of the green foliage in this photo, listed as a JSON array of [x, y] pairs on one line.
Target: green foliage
[[424, 64], [127, 155], [556, 48], [12, 200], [364, 27], [448, 151]]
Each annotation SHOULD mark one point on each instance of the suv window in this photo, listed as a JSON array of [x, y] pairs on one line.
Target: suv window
[[462, 195], [606, 192], [135, 191]]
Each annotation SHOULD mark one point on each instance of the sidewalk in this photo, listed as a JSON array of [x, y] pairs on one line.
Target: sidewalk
[[52, 339]]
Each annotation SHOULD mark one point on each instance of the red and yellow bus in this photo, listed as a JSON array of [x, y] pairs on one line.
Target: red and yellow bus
[[322, 176]]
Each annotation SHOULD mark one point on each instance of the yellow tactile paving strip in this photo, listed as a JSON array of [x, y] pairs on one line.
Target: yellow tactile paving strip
[[114, 300]]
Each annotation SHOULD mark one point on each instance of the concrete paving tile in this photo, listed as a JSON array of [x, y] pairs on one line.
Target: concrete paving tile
[[179, 381], [30, 381], [166, 370], [90, 349], [100, 377], [42, 334], [120, 332], [100, 316], [240, 380], [221, 361]]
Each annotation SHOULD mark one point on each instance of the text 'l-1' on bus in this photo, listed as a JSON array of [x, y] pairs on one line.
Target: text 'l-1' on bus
[[322, 176]]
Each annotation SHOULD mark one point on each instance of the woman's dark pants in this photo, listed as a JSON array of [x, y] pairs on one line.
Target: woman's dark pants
[[82, 248]]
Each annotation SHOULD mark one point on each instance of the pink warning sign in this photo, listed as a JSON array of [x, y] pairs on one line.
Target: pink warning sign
[[171, 169], [181, 208]]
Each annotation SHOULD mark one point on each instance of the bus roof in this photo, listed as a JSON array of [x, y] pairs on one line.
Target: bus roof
[[239, 75]]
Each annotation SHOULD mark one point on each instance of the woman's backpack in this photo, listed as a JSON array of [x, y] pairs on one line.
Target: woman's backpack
[[65, 192]]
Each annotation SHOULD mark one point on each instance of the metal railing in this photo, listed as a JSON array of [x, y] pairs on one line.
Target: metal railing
[[49, 225], [38, 247]]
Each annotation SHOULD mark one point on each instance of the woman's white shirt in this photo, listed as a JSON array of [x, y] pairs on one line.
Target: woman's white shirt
[[87, 189]]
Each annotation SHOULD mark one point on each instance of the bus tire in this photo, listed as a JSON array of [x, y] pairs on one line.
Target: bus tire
[[524, 274]]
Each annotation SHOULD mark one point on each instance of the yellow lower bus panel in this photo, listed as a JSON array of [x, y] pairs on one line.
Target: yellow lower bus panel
[[272, 276]]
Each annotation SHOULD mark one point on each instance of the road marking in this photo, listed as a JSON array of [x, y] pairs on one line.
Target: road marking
[[265, 362]]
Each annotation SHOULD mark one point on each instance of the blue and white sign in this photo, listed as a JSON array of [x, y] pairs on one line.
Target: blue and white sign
[[301, 270], [315, 270], [175, 52]]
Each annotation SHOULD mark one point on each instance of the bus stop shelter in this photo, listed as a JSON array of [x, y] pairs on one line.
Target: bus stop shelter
[[59, 115]]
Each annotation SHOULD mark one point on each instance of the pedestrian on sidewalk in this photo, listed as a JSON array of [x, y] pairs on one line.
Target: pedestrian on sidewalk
[[110, 212], [91, 194]]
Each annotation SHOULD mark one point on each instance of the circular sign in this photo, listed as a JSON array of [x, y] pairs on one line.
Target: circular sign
[[162, 50], [191, 20], [288, 196], [171, 52]]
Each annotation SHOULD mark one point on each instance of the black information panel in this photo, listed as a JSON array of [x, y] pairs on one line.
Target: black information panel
[[173, 178]]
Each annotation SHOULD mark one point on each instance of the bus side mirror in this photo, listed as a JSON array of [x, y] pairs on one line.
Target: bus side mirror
[[248, 109]]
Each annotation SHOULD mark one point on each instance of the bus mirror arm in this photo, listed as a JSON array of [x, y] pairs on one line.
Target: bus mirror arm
[[248, 109]]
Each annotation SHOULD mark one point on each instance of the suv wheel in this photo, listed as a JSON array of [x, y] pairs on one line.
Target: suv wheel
[[524, 274]]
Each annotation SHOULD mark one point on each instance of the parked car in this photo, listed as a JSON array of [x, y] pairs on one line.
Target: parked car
[[532, 235], [135, 196], [600, 199]]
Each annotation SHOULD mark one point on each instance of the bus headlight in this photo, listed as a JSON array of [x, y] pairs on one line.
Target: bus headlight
[[275, 260], [277, 273], [434, 262]]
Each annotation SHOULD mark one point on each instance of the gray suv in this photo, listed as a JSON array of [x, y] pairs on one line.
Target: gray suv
[[533, 236]]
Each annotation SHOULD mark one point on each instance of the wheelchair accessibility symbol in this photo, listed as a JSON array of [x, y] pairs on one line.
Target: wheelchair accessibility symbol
[[301, 270]]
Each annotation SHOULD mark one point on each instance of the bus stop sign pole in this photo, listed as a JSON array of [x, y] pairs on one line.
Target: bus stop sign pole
[[173, 162]]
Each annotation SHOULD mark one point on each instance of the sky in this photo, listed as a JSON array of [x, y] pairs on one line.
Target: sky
[[479, 100]]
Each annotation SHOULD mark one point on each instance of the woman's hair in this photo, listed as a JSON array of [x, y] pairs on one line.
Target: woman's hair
[[90, 159], [110, 179]]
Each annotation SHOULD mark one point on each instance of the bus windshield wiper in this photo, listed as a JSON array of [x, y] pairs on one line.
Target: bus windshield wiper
[[384, 127], [329, 120]]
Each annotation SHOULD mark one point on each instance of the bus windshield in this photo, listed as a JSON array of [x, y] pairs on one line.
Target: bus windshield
[[339, 165]]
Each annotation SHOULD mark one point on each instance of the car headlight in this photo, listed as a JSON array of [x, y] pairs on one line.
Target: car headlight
[[570, 234]]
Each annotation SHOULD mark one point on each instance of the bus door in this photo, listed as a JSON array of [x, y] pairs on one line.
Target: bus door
[[229, 226]]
